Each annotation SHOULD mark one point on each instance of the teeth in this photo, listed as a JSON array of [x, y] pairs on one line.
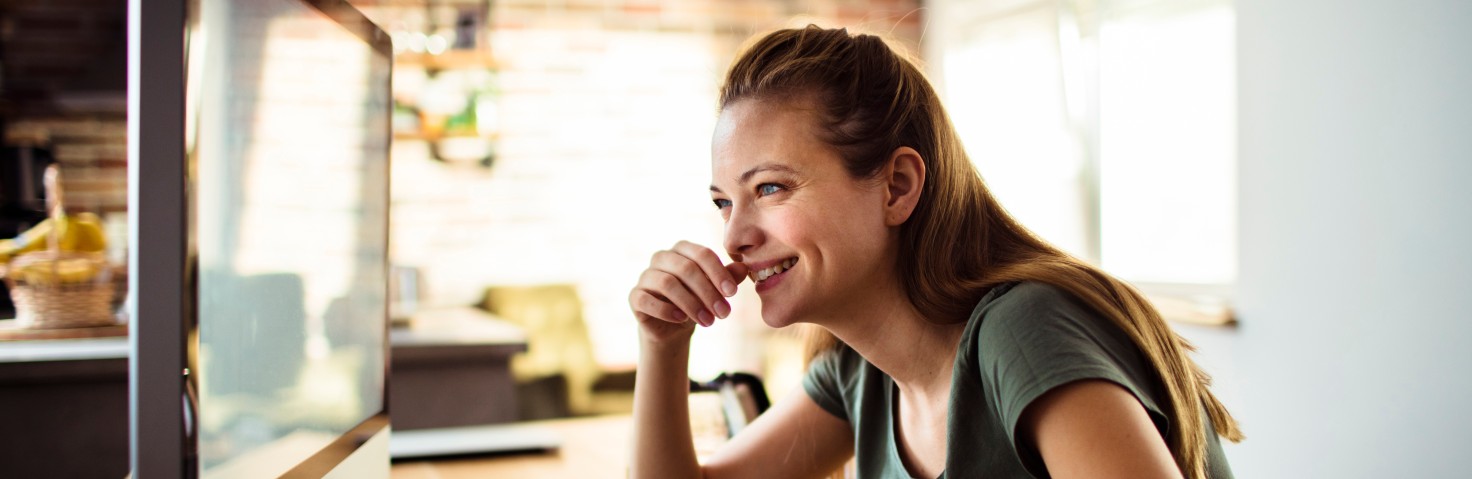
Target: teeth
[[774, 269]]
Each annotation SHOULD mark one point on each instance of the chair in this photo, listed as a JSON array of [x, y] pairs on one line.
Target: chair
[[555, 375], [743, 398]]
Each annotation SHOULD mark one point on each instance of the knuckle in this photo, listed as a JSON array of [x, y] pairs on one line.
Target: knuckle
[[668, 282], [644, 302], [690, 269], [655, 258]]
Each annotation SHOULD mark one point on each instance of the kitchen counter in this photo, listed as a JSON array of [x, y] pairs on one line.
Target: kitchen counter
[[68, 398]]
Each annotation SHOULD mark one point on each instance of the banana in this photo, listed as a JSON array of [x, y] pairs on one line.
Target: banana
[[31, 240], [54, 272], [80, 234], [86, 234]]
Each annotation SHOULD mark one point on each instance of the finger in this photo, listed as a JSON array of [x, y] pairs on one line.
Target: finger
[[696, 280], [647, 305], [738, 271], [672, 289], [711, 265]]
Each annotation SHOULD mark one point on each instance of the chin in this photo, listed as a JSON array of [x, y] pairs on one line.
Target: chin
[[779, 317]]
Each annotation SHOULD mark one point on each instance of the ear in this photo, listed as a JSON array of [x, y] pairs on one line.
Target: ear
[[904, 178]]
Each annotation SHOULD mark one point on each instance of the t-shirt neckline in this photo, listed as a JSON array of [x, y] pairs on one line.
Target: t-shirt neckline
[[892, 398]]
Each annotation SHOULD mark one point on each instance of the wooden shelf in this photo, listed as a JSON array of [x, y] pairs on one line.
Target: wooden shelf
[[1186, 310], [449, 60]]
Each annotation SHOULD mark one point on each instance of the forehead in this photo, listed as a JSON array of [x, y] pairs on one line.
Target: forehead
[[753, 132]]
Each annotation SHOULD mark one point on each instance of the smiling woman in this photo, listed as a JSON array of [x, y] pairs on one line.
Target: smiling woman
[[957, 343], [788, 200]]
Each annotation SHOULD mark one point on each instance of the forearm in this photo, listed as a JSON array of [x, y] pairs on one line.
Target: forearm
[[663, 446]]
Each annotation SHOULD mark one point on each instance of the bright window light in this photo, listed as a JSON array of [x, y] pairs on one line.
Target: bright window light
[[1109, 133], [1167, 146]]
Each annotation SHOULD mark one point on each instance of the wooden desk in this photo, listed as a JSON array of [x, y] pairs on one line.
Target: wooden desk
[[591, 447]]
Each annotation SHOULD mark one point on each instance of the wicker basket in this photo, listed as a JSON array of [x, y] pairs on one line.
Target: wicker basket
[[53, 303], [56, 289]]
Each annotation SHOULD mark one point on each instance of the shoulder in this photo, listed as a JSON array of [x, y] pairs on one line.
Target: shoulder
[[1035, 337], [1032, 314], [839, 360], [1035, 321], [1015, 302], [833, 377]]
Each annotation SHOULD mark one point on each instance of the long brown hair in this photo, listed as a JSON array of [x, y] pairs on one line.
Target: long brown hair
[[959, 243]]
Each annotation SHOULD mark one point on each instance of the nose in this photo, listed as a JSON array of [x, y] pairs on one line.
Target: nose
[[743, 233]]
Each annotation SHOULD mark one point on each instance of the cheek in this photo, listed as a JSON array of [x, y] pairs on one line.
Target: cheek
[[794, 228], [844, 227], [859, 212]]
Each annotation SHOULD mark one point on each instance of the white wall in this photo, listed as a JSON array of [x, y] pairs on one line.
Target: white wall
[[1356, 240]]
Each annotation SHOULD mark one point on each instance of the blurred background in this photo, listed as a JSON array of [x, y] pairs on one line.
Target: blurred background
[[1288, 180]]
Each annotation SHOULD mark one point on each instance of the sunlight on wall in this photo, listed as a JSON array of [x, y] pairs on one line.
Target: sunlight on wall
[[1038, 91], [1168, 146], [1005, 95], [603, 160]]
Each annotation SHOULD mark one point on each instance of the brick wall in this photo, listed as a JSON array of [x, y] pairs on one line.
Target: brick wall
[[92, 150], [606, 108], [63, 87]]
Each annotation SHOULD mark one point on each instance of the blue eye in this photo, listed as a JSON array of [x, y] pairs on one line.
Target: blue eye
[[765, 189], [721, 204]]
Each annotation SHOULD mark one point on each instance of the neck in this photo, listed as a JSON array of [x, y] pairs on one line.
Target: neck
[[886, 329]]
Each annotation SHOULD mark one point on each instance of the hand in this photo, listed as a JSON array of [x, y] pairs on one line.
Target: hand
[[684, 286]]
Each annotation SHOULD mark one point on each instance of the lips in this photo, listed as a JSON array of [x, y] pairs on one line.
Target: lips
[[773, 270]]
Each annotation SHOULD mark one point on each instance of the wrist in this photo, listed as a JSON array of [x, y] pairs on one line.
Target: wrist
[[678, 340], [664, 353], [665, 348]]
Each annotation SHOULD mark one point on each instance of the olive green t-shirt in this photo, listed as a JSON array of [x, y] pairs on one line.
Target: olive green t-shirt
[[1021, 341]]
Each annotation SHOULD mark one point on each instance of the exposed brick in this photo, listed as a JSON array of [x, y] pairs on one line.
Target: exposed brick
[[113, 164]]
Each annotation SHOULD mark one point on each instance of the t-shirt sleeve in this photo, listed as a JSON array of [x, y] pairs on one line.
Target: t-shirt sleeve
[[824, 383], [1037, 338]]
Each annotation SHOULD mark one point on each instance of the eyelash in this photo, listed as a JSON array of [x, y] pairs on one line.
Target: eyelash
[[724, 203]]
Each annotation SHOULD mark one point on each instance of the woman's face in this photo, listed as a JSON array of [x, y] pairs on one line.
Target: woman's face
[[814, 236]]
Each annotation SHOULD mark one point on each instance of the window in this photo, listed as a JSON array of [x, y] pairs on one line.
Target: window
[[1109, 130]]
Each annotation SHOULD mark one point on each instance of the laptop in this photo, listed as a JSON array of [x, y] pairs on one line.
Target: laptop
[[472, 440]]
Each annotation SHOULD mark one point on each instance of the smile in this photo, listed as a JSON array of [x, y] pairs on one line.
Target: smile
[[770, 271]]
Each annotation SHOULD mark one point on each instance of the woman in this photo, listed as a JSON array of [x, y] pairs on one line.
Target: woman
[[958, 343]]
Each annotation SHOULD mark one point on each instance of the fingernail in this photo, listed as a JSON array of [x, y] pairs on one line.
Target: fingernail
[[706, 318], [722, 309], [679, 315], [729, 288]]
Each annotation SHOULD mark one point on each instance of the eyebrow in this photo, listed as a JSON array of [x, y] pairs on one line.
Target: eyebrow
[[745, 177]]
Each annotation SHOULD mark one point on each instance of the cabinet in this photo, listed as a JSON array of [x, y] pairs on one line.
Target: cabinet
[[64, 403]]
